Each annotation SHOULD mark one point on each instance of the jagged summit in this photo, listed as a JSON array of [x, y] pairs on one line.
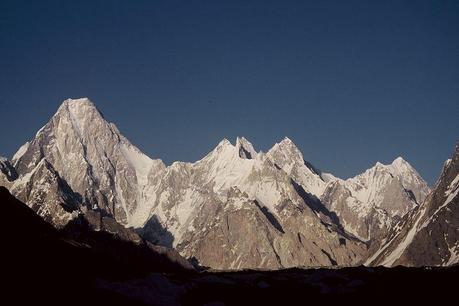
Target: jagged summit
[[287, 149], [400, 169], [370, 203], [289, 158], [78, 103], [83, 115], [399, 160], [226, 150], [286, 141], [243, 143], [80, 107], [224, 143], [397, 167], [245, 148], [84, 101], [93, 157]]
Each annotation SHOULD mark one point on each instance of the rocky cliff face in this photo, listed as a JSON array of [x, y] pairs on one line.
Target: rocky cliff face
[[48, 194], [289, 158], [236, 208], [7, 171], [429, 235], [90, 154]]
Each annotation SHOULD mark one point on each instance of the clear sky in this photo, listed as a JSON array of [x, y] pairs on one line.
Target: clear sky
[[350, 82]]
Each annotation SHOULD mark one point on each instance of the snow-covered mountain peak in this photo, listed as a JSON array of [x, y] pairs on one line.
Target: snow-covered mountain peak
[[79, 108], [93, 157], [286, 150], [399, 161], [78, 103], [375, 181], [410, 178], [287, 142], [224, 143], [81, 113], [223, 148], [399, 167], [381, 195], [286, 155], [225, 151], [379, 165], [289, 158], [245, 148], [228, 159]]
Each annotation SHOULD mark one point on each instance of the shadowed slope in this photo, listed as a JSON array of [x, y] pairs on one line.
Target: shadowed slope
[[64, 266]]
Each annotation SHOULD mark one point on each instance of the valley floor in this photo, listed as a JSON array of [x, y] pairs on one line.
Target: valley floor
[[359, 285]]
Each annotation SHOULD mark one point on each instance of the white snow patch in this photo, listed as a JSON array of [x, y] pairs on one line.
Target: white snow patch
[[328, 177], [40, 130], [20, 152], [185, 207], [139, 161]]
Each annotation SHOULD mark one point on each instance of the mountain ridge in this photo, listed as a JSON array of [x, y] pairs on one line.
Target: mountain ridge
[[301, 216]]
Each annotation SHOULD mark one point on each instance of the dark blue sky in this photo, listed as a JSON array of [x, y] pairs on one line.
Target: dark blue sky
[[351, 82]]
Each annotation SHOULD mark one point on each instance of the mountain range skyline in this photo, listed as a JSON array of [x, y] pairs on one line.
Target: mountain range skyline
[[269, 209], [350, 83], [168, 161]]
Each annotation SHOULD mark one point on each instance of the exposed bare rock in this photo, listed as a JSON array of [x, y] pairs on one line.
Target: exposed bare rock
[[47, 194], [7, 171]]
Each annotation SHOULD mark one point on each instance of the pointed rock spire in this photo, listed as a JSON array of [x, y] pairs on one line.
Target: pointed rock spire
[[288, 157], [285, 152], [245, 148], [93, 157]]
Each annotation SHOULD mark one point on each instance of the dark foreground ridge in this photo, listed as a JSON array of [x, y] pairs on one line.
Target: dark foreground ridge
[[81, 266], [64, 267]]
